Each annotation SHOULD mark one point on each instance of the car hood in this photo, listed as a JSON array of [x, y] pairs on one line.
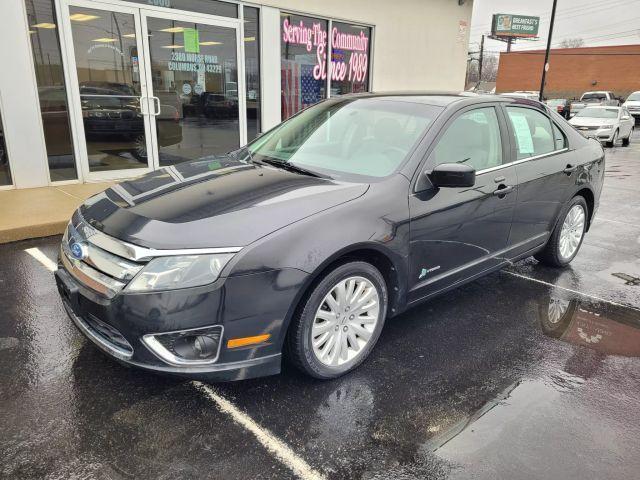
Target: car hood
[[215, 202], [591, 122]]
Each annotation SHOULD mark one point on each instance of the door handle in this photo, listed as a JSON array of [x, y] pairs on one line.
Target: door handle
[[156, 112], [569, 169], [503, 190]]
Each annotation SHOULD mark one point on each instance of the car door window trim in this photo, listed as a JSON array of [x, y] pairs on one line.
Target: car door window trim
[[522, 160]]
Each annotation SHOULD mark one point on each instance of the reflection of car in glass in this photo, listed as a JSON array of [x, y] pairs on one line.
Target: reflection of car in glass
[[605, 124], [113, 119], [219, 105], [351, 211]]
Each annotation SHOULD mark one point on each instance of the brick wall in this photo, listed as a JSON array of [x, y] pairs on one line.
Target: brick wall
[[572, 71]]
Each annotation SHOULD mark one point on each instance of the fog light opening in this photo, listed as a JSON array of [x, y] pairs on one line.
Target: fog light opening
[[187, 347]]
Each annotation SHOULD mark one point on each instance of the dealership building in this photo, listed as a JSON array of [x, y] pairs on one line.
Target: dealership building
[[100, 90]]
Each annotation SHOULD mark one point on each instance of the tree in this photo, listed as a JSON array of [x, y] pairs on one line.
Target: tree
[[489, 68], [572, 43]]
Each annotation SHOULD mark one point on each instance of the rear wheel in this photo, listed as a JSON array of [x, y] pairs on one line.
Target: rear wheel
[[340, 321], [566, 239]]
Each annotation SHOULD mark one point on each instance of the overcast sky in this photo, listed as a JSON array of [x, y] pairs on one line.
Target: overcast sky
[[597, 22]]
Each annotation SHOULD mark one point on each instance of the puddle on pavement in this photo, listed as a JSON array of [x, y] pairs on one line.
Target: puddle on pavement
[[606, 328]]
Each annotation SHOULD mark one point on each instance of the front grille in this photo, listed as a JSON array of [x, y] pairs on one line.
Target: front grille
[[108, 333], [97, 268]]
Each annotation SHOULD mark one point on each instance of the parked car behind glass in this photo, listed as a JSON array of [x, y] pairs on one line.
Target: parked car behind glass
[[348, 213], [604, 98], [561, 105]]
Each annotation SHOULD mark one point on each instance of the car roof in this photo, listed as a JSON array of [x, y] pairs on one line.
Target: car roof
[[435, 98], [603, 106]]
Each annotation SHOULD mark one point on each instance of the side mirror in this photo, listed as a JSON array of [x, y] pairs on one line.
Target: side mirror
[[453, 175], [625, 117]]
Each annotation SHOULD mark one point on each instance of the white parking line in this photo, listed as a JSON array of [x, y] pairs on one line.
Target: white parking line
[[594, 297], [273, 444], [42, 258]]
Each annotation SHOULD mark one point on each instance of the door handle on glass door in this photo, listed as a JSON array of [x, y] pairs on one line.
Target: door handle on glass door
[[503, 190], [156, 112]]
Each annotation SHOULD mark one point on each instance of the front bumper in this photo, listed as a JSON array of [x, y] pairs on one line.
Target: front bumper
[[225, 302]]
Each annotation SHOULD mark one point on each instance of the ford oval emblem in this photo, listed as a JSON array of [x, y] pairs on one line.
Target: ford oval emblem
[[78, 250]]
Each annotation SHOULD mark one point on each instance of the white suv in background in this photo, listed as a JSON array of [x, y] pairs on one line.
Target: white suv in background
[[633, 105]]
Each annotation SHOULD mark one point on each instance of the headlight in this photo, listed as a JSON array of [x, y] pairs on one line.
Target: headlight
[[606, 127], [166, 273]]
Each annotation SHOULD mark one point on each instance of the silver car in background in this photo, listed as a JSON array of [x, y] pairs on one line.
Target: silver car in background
[[605, 124], [633, 105]]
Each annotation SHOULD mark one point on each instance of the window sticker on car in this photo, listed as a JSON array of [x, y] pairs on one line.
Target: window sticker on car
[[523, 133]]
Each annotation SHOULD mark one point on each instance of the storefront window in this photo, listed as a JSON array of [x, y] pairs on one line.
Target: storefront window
[[52, 92], [211, 7], [303, 47], [252, 70], [350, 47], [5, 171]]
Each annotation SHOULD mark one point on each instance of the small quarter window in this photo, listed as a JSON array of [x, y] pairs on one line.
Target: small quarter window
[[473, 139], [533, 132], [559, 138]]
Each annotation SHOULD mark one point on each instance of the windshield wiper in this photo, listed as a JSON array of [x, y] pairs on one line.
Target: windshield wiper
[[290, 167]]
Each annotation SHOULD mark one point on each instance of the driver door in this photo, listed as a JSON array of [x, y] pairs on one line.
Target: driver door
[[459, 233]]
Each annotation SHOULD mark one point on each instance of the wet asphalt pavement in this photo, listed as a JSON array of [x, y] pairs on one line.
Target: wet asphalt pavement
[[528, 373]]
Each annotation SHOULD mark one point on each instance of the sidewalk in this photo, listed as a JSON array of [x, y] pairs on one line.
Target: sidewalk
[[40, 212]]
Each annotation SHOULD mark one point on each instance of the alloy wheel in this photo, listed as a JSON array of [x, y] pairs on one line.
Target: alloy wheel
[[345, 321], [557, 309], [572, 231]]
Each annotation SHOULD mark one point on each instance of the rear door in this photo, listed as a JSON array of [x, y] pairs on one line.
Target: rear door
[[546, 169], [457, 233]]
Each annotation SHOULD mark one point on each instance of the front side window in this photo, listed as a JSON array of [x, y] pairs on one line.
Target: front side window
[[348, 138], [533, 132], [303, 64], [473, 139]]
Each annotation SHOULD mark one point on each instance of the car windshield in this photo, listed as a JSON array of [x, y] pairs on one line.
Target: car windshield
[[598, 112], [635, 97], [593, 97], [348, 137]]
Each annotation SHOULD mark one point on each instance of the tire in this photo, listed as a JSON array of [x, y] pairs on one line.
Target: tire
[[612, 143], [627, 141], [551, 254], [299, 342]]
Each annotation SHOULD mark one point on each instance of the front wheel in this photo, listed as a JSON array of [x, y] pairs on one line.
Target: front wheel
[[567, 237], [626, 141], [613, 141], [340, 321]]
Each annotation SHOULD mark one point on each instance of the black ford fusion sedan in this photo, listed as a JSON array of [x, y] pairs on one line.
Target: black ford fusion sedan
[[303, 243]]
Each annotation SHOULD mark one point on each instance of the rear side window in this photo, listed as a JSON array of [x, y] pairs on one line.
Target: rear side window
[[473, 139], [533, 132]]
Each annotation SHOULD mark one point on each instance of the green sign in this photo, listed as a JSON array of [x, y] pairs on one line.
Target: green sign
[[191, 40], [506, 25]]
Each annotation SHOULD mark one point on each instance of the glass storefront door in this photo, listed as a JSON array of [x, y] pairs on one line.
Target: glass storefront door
[[153, 87], [193, 70]]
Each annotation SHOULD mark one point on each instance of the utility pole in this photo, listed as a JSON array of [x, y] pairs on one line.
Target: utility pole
[[509, 41], [480, 60], [545, 67]]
